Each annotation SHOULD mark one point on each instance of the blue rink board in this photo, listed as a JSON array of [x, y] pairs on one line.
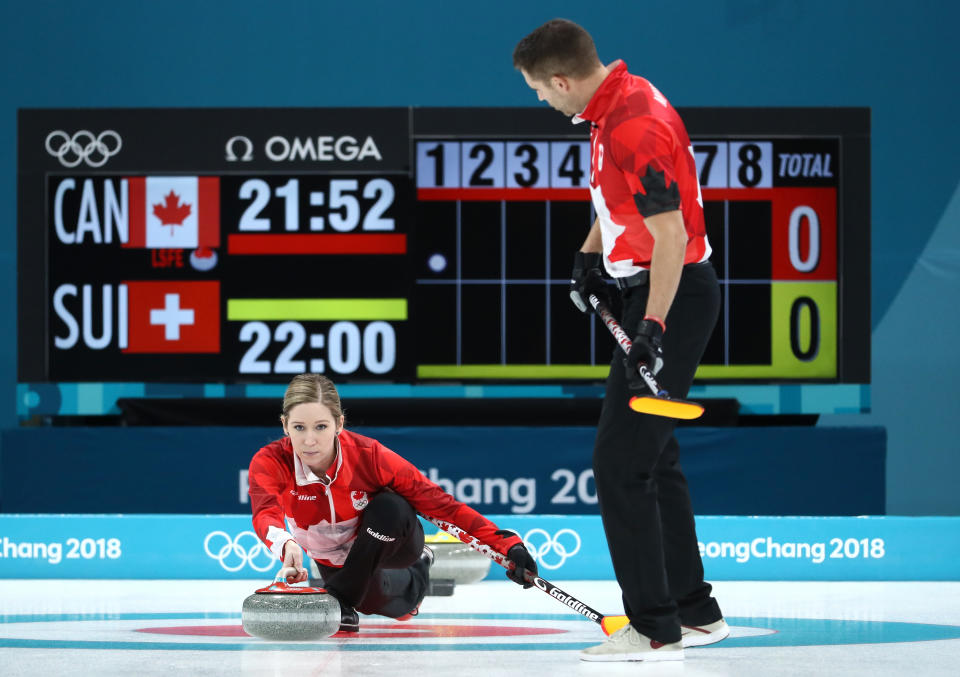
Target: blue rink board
[[520, 470], [566, 547]]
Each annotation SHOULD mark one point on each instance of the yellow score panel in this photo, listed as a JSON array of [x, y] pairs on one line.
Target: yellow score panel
[[803, 335]]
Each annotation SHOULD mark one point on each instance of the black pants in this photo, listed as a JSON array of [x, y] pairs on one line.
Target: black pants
[[383, 573], [643, 495]]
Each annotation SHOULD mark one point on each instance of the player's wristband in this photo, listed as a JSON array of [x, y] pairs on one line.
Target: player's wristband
[[656, 319]]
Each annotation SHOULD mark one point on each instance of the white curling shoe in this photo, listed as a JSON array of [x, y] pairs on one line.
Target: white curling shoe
[[626, 644], [702, 635]]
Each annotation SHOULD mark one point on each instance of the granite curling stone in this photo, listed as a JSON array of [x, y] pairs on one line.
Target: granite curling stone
[[456, 561], [284, 613]]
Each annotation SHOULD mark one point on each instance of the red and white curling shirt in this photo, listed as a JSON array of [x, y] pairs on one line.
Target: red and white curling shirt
[[323, 515], [641, 164]]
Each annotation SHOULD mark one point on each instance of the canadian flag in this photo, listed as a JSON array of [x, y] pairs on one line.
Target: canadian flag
[[173, 317], [174, 212]]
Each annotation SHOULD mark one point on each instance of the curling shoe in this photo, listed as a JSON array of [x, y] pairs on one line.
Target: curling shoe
[[626, 644], [701, 635], [349, 619], [426, 558]]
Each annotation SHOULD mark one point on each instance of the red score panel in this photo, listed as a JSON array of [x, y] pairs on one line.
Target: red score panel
[[803, 228], [804, 237]]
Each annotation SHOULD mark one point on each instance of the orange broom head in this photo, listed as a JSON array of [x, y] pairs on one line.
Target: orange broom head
[[610, 624]]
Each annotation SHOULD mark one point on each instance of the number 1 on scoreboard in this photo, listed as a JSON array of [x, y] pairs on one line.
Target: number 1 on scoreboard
[[438, 164]]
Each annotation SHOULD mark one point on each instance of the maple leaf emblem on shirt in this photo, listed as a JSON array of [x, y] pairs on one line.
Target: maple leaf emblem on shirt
[[171, 211]]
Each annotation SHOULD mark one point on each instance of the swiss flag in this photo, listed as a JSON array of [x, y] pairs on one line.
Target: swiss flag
[[173, 317], [174, 212]]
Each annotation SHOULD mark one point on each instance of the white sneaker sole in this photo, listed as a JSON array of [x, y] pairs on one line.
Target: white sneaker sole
[[645, 656], [697, 637]]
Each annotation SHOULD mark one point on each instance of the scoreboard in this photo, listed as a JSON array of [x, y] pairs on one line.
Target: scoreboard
[[411, 245]]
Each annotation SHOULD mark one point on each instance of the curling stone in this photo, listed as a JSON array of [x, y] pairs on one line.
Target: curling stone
[[456, 561], [281, 612]]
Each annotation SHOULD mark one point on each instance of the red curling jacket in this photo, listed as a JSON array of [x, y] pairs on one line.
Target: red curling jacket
[[323, 518]]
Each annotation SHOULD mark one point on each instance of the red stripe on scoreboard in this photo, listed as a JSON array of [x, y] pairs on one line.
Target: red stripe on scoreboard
[[137, 228], [208, 211], [505, 194], [317, 243]]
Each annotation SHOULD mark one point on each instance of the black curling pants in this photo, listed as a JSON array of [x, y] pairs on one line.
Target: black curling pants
[[383, 573], [643, 495]]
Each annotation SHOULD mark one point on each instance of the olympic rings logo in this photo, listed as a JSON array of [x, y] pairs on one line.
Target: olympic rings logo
[[546, 549], [236, 553], [83, 147]]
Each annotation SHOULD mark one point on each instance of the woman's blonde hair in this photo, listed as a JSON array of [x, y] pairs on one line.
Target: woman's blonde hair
[[306, 388]]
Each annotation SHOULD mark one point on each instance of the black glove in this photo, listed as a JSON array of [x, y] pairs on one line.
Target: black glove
[[646, 348], [520, 556], [587, 279]]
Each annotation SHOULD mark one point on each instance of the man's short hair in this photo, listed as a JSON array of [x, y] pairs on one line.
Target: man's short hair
[[558, 47]]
